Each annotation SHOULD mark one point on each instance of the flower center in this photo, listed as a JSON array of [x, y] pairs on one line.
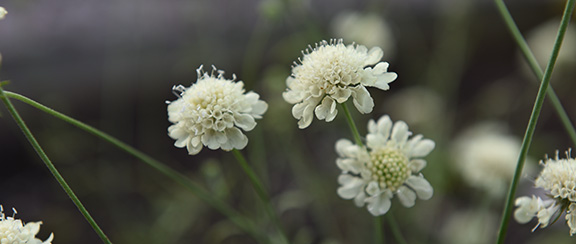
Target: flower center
[[389, 168]]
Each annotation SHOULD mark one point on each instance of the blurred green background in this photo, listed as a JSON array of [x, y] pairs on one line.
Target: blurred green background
[[112, 64]]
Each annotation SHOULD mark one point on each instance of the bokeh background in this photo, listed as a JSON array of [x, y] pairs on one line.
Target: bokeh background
[[112, 64]]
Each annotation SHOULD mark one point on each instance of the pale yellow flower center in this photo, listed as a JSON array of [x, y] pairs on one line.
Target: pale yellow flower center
[[389, 168]]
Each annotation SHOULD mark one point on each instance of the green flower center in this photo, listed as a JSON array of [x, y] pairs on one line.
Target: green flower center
[[389, 168]]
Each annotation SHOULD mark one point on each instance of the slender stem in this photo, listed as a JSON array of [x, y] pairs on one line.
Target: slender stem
[[533, 117], [352, 125], [378, 230], [395, 229], [196, 189], [256, 184], [378, 220], [529, 56], [260, 191], [51, 166]]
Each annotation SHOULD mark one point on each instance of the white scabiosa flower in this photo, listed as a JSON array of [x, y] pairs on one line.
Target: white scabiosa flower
[[14, 231], [3, 12], [558, 179], [389, 165], [213, 112], [330, 73], [486, 157]]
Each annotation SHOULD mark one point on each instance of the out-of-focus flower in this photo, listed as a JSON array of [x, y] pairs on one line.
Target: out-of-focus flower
[[14, 231], [558, 179], [330, 73], [541, 41], [389, 165], [211, 113], [3, 12], [366, 29], [486, 157]]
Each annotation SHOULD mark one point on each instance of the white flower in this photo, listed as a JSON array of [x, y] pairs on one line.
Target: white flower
[[558, 178], [329, 74], [365, 29], [486, 157], [388, 165], [13, 231], [211, 113], [3, 12], [541, 41]]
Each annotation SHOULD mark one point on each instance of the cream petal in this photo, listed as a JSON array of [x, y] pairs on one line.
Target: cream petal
[[236, 138], [341, 95], [342, 147], [244, 121], [212, 139], [360, 199], [292, 96], [422, 148], [406, 196], [362, 99], [416, 165], [349, 165], [374, 55], [49, 240], [421, 186], [527, 209], [360, 49], [372, 188], [375, 140], [400, 132], [372, 128], [379, 204], [182, 142], [384, 125], [258, 109], [193, 150], [350, 186], [326, 109]]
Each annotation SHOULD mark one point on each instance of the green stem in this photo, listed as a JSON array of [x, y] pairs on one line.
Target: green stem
[[378, 230], [395, 229], [261, 192], [197, 190], [352, 125], [51, 166], [378, 220], [529, 56], [533, 117]]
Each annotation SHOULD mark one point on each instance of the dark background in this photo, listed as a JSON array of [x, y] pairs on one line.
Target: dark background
[[112, 64]]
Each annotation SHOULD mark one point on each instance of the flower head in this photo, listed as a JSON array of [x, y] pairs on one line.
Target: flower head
[[13, 231], [329, 74], [211, 113], [3, 12], [486, 157], [389, 165], [558, 179]]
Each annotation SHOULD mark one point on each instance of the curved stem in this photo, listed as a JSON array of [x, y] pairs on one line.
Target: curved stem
[[529, 56], [261, 192], [395, 229], [533, 117], [352, 125], [196, 189], [51, 166], [378, 230]]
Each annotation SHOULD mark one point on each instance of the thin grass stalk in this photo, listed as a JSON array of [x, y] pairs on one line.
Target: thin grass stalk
[[196, 189], [533, 117], [12, 110]]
